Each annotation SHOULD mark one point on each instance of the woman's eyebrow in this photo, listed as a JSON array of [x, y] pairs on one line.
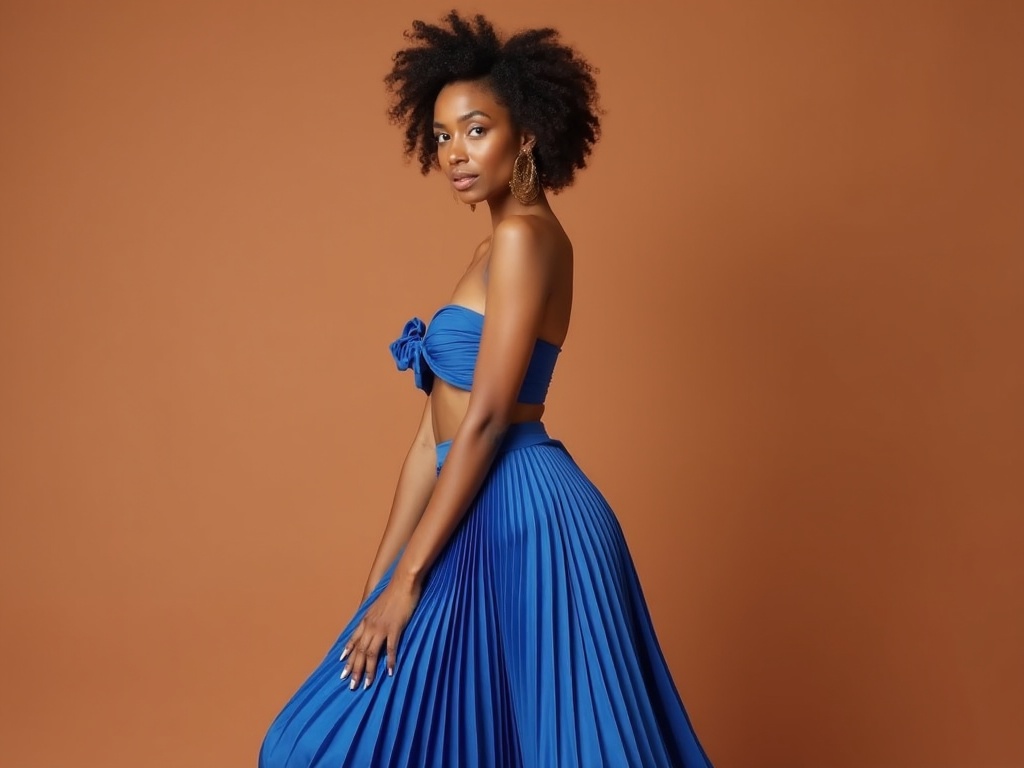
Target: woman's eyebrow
[[465, 117]]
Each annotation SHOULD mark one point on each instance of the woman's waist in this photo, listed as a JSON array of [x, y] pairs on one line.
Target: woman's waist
[[448, 406]]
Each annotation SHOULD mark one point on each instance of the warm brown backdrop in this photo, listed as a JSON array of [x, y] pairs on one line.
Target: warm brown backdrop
[[795, 367]]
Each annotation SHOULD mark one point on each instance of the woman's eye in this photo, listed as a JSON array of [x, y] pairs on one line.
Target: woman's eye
[[476, 128], [441, 138]]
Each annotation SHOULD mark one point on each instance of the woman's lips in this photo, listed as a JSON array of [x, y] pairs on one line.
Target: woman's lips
[[463, 182]]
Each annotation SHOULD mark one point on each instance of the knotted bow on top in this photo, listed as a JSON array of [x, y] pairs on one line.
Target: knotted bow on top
[[407, 350]]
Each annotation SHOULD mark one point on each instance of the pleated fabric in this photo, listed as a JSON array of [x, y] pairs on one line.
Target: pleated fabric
[[531, 646]]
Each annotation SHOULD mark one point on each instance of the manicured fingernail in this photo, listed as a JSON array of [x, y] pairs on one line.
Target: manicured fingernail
[[344, 673], [352, 685], [344, 655], [366, 684], [391, 671]]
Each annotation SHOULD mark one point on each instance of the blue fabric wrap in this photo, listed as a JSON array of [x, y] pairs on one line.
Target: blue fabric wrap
[[448, 349]]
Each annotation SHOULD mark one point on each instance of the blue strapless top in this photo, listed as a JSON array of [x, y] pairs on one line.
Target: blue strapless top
[[448, 350]]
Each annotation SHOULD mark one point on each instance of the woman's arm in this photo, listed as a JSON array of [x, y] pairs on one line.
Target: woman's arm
[[517, 292], [517, 295], [415, 484]]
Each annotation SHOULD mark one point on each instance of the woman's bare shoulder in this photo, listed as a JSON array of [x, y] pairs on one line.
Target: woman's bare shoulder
[[536, 234]]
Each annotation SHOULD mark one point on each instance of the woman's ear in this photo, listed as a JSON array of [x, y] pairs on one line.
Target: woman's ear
[[528, 140]]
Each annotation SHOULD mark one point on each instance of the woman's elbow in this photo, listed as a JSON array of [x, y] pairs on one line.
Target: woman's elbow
[[487, 422]]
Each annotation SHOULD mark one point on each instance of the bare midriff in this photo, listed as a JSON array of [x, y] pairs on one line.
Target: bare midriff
[[448, 407]]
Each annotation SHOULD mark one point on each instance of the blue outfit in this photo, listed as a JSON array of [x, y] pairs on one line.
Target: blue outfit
[[531, 645]]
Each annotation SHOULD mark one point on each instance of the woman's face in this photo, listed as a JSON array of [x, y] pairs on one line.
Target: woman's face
[[477, 143]]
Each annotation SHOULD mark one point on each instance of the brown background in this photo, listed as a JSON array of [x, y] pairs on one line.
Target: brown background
[[795, 367]]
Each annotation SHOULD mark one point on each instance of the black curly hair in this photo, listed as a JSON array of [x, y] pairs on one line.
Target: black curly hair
[[547, 87]]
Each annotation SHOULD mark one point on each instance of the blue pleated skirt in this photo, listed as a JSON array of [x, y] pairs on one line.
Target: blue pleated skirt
[[531, 645]]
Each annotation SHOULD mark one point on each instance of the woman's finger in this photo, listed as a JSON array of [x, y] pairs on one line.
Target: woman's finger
[[370, 654], [360, 655], [392, 653], [349, 646], [356, 662]]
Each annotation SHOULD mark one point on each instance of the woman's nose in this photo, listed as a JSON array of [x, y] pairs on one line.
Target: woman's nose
[[455, 152]]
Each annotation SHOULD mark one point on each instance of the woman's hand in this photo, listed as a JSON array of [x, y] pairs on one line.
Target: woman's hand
[[382, 626]]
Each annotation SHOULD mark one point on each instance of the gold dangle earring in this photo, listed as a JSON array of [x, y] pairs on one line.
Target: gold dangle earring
[[524, 184]]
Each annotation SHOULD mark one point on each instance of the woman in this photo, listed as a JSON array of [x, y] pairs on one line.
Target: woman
[[503, 623]]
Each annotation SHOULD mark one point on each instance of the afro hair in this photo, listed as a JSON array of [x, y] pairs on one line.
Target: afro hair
[[547, 87]]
